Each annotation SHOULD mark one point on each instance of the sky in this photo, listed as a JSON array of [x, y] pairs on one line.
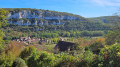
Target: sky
[[85, 8]]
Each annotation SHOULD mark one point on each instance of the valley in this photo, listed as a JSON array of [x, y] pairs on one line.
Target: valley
[[44, 38]]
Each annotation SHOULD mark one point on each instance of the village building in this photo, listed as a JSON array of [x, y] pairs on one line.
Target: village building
[[64, 46]]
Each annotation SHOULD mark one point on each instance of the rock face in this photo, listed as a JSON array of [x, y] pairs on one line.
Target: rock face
[[39, 17]]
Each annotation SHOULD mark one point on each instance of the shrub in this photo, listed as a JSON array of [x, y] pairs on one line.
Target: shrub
[[1, 40], [88, 56], [97, 45], [9, 55], [110, 55], [42, 59], [28, 51], [19, 63], [113, 37], [33, 60], [6, 59], [77, 50], [46, 59], [66, 60], [86, 59]]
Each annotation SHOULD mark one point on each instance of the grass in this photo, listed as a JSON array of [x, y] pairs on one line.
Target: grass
[[48, 48]]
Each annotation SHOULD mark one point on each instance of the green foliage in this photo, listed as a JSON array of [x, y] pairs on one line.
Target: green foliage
[[27, 52], [19, 63], [92, 33], [110, 55], [46, 60], [106, 19], [96, 46], [55, 40], [33, 60], [8, 55], [1, 40], [6, 59], [112, 37], [67, 61], [3, 14], [43, 59], [16, 32], [3, 22], [48, 35], [88, 57]]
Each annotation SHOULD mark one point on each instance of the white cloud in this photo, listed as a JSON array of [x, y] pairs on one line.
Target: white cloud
[[107, 2]]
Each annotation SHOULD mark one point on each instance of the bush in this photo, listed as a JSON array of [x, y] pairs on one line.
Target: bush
[[42, 59], [65, 60], [97, 45], [9, 55], [33, 60], [19, 63], [112, 37], [110, 55], [28, 51], [46, 59], [6, 59], [88, 56]]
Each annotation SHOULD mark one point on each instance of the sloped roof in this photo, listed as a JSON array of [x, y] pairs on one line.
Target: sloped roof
[[63, 45]]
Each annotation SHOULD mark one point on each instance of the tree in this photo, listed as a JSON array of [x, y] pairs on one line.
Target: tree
[[3, 22], [114, 35], [19, 63], [28, 51]]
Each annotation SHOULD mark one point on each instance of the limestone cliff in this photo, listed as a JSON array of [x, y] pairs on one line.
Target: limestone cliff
[[26, 16]]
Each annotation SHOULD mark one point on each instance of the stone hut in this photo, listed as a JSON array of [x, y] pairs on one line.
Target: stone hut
[[64, 46]]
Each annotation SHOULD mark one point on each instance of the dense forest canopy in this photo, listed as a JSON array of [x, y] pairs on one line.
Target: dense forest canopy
[[106, 19]]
